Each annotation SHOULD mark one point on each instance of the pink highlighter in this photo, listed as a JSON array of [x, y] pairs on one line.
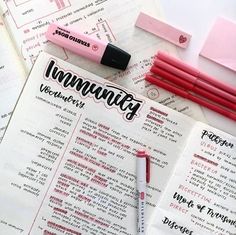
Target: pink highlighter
[[95, 50]]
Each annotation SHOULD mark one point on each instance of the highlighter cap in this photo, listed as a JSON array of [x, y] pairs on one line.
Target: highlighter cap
[[115, 57]]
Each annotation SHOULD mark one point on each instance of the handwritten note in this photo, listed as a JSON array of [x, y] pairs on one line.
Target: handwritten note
[[202, 189], [79, 137]]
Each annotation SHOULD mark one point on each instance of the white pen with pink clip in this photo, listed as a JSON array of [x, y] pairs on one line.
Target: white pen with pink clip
[[143, 177]]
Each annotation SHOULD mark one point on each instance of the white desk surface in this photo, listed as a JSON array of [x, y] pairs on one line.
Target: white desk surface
[[197, 17]]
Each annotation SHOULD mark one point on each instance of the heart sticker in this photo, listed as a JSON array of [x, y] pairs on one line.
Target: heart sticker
[[182, 39]]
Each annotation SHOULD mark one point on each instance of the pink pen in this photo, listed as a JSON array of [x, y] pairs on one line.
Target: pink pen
[[178, 91], [91, 48], [196, 73], [194, 80], [143, 177], [191, 87]]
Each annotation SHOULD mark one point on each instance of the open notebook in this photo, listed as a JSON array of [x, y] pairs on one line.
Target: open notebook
[[68, 161], [110, 20]]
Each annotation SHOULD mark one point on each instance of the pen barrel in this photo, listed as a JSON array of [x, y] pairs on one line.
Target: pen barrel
[[183, 93], [78, 43], [141, 170], [141, 191], [195, 72], [199, 90]]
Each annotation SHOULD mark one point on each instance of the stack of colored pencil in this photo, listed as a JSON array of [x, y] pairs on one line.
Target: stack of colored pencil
[[184, 80]]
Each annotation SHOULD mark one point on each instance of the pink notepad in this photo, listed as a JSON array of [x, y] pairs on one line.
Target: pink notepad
[[163, 30], [220, 45]]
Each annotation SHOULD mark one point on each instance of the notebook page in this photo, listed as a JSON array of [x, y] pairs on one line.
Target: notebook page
[[77, 147], [12, 77], [200, 197], [108, 20]]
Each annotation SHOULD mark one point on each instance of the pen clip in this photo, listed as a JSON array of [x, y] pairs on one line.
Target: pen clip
[[147, 168]]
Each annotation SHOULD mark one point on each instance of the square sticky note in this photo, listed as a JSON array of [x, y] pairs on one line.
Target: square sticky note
[[220, 45]]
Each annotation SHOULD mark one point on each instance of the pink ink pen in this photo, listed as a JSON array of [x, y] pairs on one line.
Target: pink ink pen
[[91, 48], [143, 177]]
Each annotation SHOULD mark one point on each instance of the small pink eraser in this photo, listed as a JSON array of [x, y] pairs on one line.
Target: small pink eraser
[[163, 30]]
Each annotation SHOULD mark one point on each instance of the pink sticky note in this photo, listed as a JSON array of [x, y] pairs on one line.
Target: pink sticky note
[[221, 43], [163, 30]]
